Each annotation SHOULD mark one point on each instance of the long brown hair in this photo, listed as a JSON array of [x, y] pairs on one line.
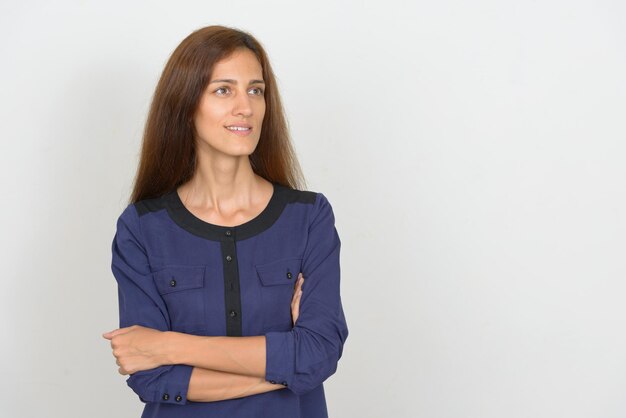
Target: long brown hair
[[168, 152]]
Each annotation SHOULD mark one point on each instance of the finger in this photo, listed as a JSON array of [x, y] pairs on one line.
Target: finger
[[108, 335], [298, 286], [297, 300], [115, 332], [124, 330], [295, 309], [295, 306], [299, 277], [294, 298]]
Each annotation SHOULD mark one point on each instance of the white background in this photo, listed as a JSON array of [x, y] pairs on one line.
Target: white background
[[473, 152]]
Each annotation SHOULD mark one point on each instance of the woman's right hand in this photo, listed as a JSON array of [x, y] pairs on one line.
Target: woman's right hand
[[295, 300]]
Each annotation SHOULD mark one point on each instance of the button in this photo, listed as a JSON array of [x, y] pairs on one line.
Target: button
[[172, 282], [233, 314], [178, 398], [228, 233], [166, 396], [289, 275], [283, 383], [272, 382], [228, 258]]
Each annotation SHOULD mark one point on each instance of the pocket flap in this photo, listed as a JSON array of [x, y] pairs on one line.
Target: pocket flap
[[283, 271], [176, 278]]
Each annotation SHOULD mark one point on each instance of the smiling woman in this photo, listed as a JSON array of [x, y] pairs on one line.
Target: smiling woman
[[212, 252], [215, 121]]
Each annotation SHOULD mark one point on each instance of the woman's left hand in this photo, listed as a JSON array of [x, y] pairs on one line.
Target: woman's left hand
[[137, 348]]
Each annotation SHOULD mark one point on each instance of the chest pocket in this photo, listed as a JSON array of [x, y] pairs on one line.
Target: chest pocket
[[278, 279], [182, 289]]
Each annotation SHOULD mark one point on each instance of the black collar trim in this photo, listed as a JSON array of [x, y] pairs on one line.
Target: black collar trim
[[188, 221]]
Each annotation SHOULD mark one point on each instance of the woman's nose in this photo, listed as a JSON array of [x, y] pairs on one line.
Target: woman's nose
[[242, 105]]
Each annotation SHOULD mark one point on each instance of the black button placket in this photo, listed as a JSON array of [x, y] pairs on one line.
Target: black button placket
[[232, 294]]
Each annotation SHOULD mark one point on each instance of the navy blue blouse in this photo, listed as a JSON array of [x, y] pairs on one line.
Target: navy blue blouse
[[177, 272]]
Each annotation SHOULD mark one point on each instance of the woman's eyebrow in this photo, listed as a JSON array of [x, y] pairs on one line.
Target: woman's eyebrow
[[228, 80]]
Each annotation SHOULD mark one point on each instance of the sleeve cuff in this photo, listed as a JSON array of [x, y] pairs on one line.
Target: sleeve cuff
[[169, 386], [280, 357], [173, 389]]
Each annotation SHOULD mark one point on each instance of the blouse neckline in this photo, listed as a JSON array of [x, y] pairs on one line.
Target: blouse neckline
[[190, 222]]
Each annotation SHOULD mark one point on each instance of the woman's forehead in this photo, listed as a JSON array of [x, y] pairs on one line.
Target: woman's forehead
[[242, 63]]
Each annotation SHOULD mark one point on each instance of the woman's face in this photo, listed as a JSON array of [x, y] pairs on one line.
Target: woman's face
[[234, 97]]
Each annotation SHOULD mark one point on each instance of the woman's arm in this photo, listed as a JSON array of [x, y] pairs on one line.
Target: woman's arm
[[211, 385], [205, 385], [139, 348], [239, 355]]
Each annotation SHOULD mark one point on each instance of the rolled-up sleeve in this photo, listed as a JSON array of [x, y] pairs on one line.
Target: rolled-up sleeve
[[141, 304], [306, 356]]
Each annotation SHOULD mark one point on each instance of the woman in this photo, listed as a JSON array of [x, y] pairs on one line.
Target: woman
[[211, 254]]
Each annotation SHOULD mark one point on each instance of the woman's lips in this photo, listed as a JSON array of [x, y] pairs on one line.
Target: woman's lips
[[240, 133]]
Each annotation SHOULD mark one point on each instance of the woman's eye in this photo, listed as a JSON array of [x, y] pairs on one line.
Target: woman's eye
[[222, 90]]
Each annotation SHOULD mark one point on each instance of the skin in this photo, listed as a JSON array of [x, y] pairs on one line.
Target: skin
[[224, 191]]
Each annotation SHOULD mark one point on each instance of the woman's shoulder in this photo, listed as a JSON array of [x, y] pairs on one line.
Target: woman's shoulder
[[313, 197], [132, 214], [317, 203]]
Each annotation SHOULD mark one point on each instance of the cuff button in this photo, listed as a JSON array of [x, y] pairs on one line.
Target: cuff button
[[179, 398], [283, 383], [166, 396], [273, 382]]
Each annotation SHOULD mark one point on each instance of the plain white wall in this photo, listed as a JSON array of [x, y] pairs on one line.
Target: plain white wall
[[473, 153]]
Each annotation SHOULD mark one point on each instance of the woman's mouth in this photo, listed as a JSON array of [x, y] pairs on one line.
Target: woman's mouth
[[239, 130]]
